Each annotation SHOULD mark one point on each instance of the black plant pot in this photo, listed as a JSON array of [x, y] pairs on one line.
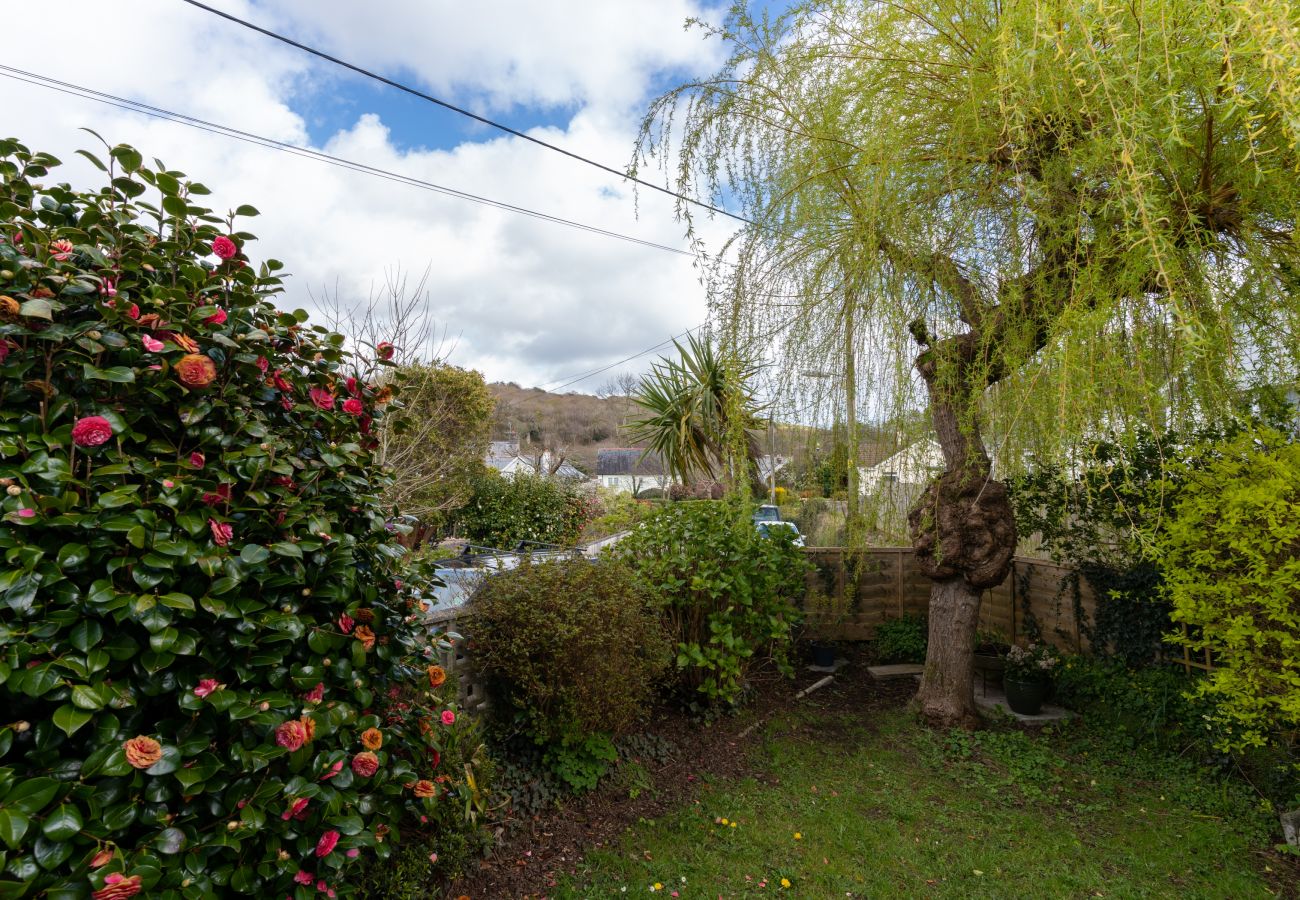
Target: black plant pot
[[1026, 697], [823, 654]]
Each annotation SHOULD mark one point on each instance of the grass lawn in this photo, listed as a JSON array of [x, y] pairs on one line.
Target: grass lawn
[[847, 808]]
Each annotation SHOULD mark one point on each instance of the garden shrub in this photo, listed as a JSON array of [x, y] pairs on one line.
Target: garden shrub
[[728, 593], [572, 651], [902, 640], [207, 635], [502, 511], [1231, 556]]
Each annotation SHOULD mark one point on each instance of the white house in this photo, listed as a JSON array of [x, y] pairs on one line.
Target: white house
[[912, 466], [504, 456], [626, 470]]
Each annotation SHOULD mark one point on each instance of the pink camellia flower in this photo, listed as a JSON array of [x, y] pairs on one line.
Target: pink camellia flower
[[26, 513], [296, 809], [222, 533], [278, 381], [102, 858], [352, 406], [353, 853], [91, 431], [448, 717], [168, 483], [291, 735], [206, 686], [322, 398], [61, 250], [6, 347], [263, 363], [328, 841], [316, 694], [365, 764], [332, 771], [217, 318], [133, 311], [220, 495], [303, 877], [354, 386], [345, 623], [224, 247], [384, 350], [197, 459], [108, 287], [153, 345]]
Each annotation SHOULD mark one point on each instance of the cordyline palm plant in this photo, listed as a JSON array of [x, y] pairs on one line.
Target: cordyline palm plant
[[700, 413]]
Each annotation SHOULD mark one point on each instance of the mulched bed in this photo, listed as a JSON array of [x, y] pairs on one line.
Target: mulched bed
[[532, 855]]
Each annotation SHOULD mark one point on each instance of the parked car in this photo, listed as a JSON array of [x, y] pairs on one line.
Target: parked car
[[767, 513], [767, 528]]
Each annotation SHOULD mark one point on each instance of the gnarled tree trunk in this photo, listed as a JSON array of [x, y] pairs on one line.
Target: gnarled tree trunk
[[963, 530]]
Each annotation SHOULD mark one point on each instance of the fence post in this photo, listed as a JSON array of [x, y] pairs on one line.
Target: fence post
[[898, 559]]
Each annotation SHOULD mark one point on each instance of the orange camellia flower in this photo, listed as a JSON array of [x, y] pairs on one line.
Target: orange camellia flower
[[309, 726], [384, 394], [424, 788], [185, 342], [365, 636], [142, 752], [365, 616], [118, 887], [437, 676], [196, 370], [372, 739], [8, 308]]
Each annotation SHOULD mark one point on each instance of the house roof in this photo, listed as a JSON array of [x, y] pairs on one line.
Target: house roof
[[628, 461]]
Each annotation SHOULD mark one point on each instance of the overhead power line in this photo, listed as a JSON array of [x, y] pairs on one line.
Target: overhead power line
[[156, 112], [464, 112], [593, 373]]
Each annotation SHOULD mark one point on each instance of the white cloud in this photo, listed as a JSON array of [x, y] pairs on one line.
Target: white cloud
[[513, 52], [526, 300]]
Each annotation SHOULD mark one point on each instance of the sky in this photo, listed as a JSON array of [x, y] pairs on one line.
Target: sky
[[516, 298]]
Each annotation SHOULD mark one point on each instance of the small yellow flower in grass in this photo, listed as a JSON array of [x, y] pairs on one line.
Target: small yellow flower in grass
[[977, 872], [657, 887], [785, 882], [798, 836], [733, 824]]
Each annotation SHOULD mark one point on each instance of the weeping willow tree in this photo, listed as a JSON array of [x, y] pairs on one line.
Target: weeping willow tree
[[1038, 221]]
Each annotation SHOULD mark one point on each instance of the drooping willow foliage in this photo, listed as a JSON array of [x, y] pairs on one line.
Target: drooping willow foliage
[[1101, 195]]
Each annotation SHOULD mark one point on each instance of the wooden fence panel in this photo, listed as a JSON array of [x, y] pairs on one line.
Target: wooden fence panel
[[1038, 595]]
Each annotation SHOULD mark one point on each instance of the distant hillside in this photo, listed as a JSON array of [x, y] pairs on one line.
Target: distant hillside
[[574, 425], [577, 425]]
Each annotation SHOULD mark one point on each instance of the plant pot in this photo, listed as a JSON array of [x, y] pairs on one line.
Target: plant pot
[[1026, 697], [823, 654]]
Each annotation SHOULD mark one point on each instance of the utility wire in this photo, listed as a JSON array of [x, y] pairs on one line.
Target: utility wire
[[306, 152], [595, 372], [464, 112]]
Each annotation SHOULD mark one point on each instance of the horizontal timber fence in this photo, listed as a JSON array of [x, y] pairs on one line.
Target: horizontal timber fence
[[1038, 598]]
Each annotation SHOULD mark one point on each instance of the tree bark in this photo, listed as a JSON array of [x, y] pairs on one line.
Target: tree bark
[[947, 694], [963, 531]]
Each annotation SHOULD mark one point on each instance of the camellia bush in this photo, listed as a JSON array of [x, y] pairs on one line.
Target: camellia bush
[[213, 676], [727, 593]]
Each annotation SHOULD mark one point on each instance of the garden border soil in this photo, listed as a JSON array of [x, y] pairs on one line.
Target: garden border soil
[[533, 855]]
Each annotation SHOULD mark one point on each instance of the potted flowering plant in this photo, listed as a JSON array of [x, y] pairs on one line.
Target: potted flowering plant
[[1027, 677]]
